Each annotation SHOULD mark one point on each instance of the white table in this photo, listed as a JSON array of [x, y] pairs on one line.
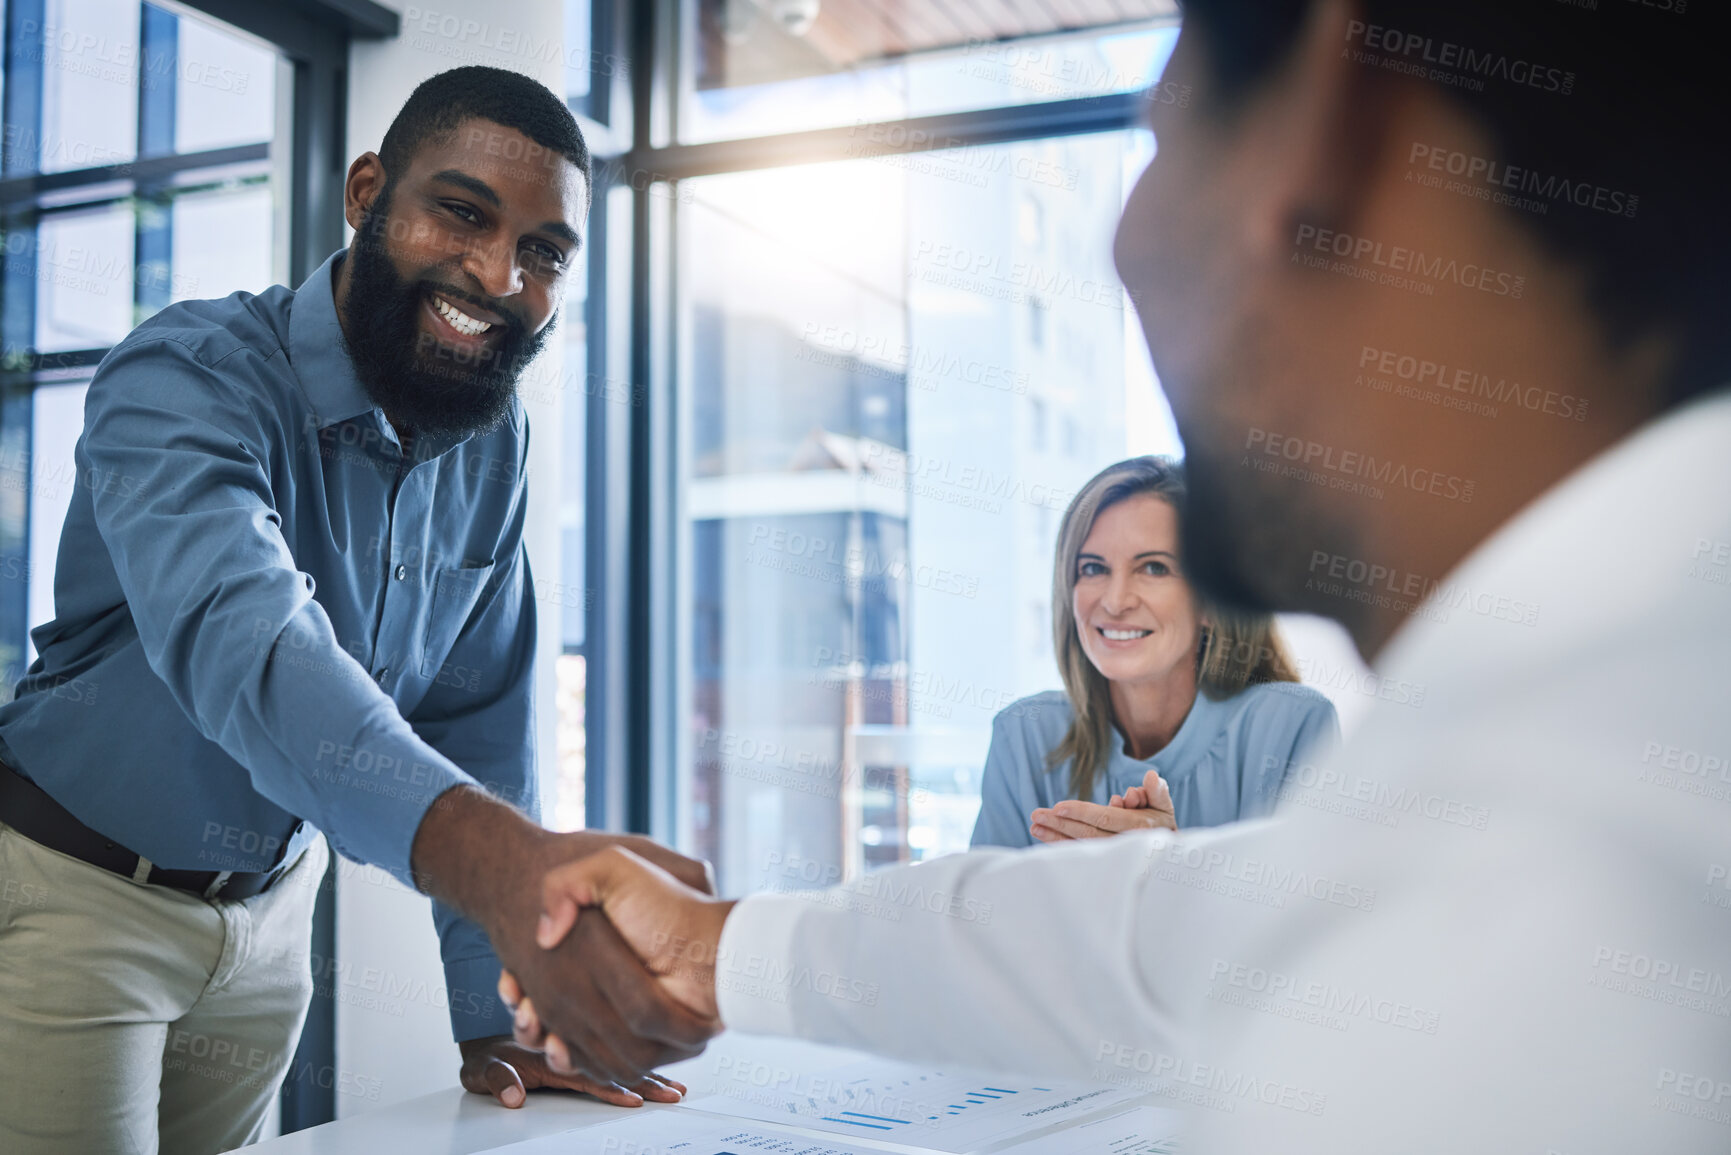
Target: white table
[[452, 1121], [459, 1123]]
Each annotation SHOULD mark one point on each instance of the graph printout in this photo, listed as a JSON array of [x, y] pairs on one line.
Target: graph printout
[[844, 1093], [676, 1131], [1138, 1131]]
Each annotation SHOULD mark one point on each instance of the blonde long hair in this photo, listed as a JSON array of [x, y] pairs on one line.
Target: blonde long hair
[[1235, 650]]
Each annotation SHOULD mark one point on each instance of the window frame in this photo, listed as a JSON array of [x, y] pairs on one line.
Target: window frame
[[638, 685], [312, 38]]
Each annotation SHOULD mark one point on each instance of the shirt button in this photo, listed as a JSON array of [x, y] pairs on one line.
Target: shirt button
[[402, 572]]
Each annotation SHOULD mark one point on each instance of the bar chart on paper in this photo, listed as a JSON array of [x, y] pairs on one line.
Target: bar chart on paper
[[839, 1093], [677, 1131], [784, 1097], [680, 1131], [1137, 1131]]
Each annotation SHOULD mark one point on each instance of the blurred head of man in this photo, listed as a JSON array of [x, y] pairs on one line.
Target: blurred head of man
[[1402, 266], [467, 221]]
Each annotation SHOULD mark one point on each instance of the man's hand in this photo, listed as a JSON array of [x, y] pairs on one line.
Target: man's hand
[[694, 873], [1144, 807], [506, 1070], [615, 1022], [673, 928]]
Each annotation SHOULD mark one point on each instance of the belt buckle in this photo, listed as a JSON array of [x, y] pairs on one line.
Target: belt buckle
[[216, 884]]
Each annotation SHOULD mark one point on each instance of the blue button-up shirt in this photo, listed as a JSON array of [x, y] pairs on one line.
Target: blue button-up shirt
[[270, 619], [1227, 762]]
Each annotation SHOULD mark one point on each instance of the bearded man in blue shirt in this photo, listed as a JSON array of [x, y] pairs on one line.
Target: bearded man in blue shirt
[[303, 611]]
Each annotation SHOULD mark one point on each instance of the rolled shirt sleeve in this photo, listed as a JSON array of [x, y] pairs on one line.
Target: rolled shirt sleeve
[[226, 619]]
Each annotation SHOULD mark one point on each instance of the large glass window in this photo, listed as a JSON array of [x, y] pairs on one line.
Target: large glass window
[[138, 163], [883, 345], [898, 371], [88, 59]]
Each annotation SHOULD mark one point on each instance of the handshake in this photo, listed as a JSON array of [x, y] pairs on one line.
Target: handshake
[[650, 899], [608, 943]]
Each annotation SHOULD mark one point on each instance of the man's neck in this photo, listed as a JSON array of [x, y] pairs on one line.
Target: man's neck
[[1514, 458]]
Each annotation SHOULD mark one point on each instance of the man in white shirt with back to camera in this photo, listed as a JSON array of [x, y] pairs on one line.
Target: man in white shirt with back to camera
[[1438, 293]]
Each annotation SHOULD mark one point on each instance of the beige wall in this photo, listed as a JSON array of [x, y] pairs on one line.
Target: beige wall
[[393, 1037]]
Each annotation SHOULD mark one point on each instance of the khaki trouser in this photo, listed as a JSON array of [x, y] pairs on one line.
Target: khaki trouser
[[141, 1018]]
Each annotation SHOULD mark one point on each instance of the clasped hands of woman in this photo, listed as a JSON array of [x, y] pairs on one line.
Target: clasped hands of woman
[[1144, 807]]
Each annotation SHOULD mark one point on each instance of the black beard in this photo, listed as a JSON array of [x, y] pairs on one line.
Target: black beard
[[424, 385], [1213, 540], [1250, 543]]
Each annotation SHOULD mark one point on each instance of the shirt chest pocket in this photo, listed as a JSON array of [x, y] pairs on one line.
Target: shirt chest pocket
[[455, 592]]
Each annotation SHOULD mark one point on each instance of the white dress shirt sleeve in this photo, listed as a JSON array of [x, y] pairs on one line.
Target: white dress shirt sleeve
[[973, 958]]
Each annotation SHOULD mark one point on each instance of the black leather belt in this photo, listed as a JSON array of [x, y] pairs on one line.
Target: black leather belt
[[27, 808]]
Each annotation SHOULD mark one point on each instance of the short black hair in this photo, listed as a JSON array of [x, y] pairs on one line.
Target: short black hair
[[440, 103], [1615, 95]]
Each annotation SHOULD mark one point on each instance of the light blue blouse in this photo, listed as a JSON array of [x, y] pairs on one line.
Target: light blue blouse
[[1226, 762]]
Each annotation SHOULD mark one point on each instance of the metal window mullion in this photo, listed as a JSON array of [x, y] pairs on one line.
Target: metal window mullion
[[23, 153], [668, 633], [599, 561], [58, 190], [974, 129], [674, 818], [612, 397], [640, 607], [306, 29], [153, 230], [629, 680], [603, 24], [658, 643], [158, 69], [317, 163], [16, 410], [23, 103]]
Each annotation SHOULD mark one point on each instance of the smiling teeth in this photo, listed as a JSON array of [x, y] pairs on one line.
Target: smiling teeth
[[459, 320], [1125, 635]]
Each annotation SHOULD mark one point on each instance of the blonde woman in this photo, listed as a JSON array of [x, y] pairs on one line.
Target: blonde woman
[[1172, 714]]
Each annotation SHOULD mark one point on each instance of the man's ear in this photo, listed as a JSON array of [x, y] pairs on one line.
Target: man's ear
[[366, 180]]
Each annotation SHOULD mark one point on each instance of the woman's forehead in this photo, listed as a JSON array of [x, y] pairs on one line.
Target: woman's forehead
[[1144, 517]]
